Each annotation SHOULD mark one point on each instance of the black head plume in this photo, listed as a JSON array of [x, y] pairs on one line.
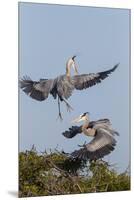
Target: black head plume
[[85, 114], [73, 58]]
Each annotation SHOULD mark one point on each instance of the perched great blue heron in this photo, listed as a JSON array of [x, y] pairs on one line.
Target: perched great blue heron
[[62, 86], [102, 143]]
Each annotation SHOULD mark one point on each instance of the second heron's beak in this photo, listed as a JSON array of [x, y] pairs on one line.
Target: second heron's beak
[[78, 119]]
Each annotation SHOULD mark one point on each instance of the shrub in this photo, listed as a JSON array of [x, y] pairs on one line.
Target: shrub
[[55, 173]]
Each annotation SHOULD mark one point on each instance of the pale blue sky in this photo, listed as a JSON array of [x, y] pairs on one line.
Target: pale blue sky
[[49, 35]]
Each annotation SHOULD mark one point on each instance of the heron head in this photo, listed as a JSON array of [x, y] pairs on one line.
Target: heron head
[[73, 58], [82, 117], [71, 63]]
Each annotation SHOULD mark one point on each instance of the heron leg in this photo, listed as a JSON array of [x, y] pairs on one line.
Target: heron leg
[[59, 116], [69, 108]]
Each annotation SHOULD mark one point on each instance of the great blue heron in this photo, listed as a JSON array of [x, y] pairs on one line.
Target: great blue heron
[[102, 143], [62, 86]]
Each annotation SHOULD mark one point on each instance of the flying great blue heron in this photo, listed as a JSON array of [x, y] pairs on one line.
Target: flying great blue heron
[[102, 143], [63, 85]]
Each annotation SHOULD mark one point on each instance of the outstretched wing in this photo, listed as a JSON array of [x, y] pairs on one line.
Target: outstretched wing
[[73, 131], [84, 81], [102, 144], [104, 124], [38, 90]]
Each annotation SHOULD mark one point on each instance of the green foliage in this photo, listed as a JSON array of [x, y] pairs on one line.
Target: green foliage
[[55, 173]]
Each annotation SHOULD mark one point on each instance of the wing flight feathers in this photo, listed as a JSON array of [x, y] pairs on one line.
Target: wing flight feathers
[[102, 144], [72, 132], [38, 90], [84, 81]]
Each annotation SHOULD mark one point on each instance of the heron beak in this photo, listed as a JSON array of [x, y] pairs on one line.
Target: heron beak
[[78, 119], [75, 68]]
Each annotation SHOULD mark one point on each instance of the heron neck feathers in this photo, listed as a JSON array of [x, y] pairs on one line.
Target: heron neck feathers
[[86, 123], [68, 70]]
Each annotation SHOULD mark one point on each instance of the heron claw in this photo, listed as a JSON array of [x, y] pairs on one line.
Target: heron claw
[[69, 108], [60, 117], [83, 145]]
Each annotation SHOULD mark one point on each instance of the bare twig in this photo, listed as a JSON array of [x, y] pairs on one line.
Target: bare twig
[[79, 187]]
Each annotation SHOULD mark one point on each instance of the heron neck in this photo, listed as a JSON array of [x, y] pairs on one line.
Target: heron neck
[[86, 124], [86, 130], [68, 70]]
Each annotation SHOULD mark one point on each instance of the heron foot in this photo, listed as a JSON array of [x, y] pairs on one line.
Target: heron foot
[[83, 145], [60, 117], [69, 108]]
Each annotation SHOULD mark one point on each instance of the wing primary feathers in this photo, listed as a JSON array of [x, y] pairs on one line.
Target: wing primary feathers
[[102, 144], [27, 85], [72, 132], [85, 155], [105, 74], [38, 90], [84, 81]]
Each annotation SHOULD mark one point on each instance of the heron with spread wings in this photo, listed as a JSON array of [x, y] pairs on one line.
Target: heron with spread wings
[[103, 141], [63, 85]]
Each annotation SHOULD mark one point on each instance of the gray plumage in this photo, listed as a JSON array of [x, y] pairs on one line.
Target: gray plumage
[[73, 131], [84, 81], [62, 86], [101, 145]]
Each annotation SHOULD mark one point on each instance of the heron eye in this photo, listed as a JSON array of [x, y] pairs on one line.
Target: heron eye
[[84, 114]]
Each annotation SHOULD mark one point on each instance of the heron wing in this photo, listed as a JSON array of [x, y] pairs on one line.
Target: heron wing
[[99, 122], [84, 81], [73, 131], [38, 90], [104, 124], [102, 144]]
